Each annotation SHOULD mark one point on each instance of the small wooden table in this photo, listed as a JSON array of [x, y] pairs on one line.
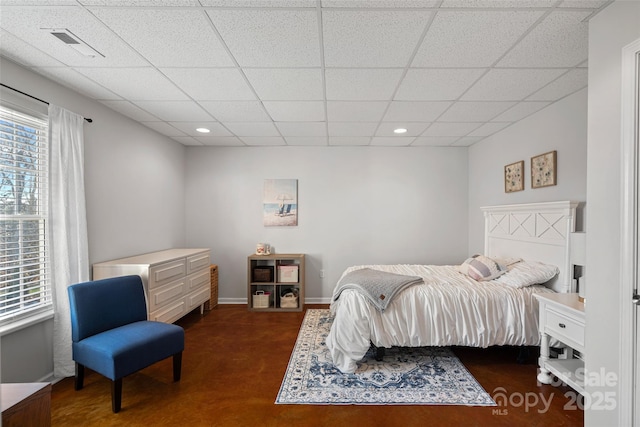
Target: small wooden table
[[26, 404]]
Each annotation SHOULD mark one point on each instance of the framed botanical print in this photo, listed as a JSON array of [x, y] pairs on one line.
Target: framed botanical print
[[543, 170], [514, 177]]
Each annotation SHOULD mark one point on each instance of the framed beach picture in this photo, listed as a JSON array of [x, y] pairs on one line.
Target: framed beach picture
[[514, 177], [543, 170], [280, 202]]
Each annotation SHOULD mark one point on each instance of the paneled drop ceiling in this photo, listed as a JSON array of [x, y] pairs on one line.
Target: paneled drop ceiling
[[311, 72]]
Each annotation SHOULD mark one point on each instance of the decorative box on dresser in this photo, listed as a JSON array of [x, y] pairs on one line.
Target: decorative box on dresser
[[175, 280], [562, 318]]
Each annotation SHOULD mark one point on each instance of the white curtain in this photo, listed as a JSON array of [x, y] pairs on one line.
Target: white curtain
[[69, 252]]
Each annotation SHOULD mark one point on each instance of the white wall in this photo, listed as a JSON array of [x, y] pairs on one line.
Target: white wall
[[562, 126], [609, 31], [357, 205], [135, 201]]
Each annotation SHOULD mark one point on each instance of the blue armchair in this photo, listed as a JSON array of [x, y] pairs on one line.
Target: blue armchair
[[112, 336]]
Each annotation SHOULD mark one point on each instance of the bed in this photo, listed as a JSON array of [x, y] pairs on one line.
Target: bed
[[450, 308]]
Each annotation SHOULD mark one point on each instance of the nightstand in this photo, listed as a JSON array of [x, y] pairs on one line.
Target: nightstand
[[562, 318]]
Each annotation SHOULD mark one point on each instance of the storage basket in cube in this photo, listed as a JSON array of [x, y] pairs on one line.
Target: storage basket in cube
[[288, 273]]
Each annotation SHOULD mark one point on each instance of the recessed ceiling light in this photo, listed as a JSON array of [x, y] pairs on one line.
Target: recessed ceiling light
[[203, 130], [400, 130]]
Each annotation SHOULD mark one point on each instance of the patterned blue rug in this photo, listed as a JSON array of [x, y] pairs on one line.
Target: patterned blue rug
[[406, 376]]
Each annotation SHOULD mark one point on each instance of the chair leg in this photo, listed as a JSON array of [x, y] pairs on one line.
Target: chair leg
[[116, 395], [177, 366], [79, 381]]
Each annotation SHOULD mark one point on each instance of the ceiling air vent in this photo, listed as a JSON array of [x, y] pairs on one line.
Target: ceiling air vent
[[71, 40]]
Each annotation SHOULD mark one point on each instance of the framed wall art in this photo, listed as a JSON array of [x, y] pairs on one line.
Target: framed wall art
[[544, 170], [280, 202], [514, 177]]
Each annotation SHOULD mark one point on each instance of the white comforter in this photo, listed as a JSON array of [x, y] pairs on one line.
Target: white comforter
[[449, 309]]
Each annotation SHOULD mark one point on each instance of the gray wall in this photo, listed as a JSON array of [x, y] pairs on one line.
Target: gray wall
[[562, 127], [135, 202], [357, 205], [611, 30]]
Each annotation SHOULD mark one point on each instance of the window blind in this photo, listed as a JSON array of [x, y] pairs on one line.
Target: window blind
[[25, 286]]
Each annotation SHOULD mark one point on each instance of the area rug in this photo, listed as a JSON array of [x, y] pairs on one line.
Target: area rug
[[406, 376]]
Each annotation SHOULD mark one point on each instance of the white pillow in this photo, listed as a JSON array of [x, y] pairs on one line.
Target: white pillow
[[480, 267], [527, 273]]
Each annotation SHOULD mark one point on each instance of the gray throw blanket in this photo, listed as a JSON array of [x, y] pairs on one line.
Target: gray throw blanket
[[378, 286]]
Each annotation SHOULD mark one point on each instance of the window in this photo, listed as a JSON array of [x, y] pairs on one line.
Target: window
[[24, 275]]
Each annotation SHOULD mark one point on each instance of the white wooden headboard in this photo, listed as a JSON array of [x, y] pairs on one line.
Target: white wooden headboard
[[535, 232]]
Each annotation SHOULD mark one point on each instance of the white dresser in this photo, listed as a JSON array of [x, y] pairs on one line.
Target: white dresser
[[175, 280]]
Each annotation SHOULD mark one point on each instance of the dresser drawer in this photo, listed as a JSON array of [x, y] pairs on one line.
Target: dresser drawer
[[162, 295], [198, 262], [171, 312], [199, 297], [199, 280], [167, 272], [563, 327]]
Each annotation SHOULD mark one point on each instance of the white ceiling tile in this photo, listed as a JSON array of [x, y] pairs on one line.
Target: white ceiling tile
[[352, 129], [223, 141], [236, 111], [259, 3], [302, 128], [520, 111], [135, 83], [415, 111], [436, 85], [155, 3], [592, 4], [175, 111], [291, 111], [450, 129], [306, 140], [130, 110], [371, 38], [186, 140], [435, 141], [510, 84], [489, 129], [164, 128], [263, 140], [392, 141], [467, 141], [572, 81], [497, 3], [286, 83], [20, 22], [474, 111], [472, 39], [413, 129], [168, 38], [270, 38], [355, 111], [38, 3], [361, 84], [22, 53], [189, 128], [380, 3], [76, 81], [252, 129], [211, 84], [349, 140], [561, 40]]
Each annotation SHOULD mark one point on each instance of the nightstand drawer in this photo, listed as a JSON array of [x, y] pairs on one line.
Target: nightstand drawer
[[561, 326]]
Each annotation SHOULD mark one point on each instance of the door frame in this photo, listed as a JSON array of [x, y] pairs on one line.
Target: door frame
[[628, 385]]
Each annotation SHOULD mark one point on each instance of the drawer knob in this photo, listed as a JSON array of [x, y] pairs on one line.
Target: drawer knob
[[562, 325]]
